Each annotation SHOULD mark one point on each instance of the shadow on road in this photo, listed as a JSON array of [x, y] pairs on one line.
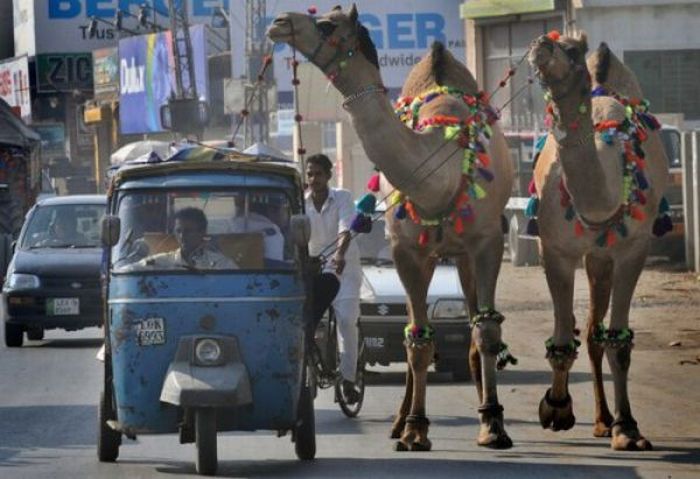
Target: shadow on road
[[78, 343], [505, 377]]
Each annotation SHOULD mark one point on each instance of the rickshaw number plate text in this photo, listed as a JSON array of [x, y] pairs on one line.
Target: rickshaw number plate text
[[150, 331]]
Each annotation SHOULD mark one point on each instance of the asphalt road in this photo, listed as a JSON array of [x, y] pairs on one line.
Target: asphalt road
[[49, 390]]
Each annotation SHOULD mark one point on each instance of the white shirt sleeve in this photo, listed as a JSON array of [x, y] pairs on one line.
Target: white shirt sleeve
[[346, 210]]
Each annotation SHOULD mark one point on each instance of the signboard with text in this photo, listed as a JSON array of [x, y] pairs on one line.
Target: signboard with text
[[64, 72], [105, 67], [14, 85]]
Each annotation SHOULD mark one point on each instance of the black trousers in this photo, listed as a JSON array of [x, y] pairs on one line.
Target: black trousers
[[325, 287]]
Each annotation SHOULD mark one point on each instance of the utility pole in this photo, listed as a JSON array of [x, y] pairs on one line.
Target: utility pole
[[256, 127]]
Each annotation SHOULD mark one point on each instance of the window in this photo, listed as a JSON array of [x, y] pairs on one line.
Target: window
[[668, 79], [64, 226]]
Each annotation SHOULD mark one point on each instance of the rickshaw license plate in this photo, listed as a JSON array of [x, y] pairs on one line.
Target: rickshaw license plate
[[150, 331], [62, 306]]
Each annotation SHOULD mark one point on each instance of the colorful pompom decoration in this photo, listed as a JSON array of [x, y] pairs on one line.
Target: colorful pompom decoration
[[367, 204], [662, 225], [373, 183], [554, 35], [361, 223]]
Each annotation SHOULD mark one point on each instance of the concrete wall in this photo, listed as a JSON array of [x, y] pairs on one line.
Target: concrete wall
[[7, 46]]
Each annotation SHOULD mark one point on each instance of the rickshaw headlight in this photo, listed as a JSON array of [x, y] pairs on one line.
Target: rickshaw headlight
[[208, 351]]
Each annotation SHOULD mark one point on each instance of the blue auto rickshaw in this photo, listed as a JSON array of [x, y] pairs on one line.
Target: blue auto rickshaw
[[196, 348]]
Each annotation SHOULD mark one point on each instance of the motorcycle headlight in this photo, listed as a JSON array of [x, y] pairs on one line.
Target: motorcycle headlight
[[208, 351], [450, 309], [23, 281]]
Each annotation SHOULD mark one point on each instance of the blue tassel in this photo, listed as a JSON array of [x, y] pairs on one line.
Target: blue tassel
[[621, 228], [532, 207], [367, 204], [641, 180], [486, 174], [662, 225], [532, 228], [400, 212], [540, 143], [599, 91], [361, 223], [479, 148], [570, 213], [650, 121], [663, 206], [602, 240], [607, 137]]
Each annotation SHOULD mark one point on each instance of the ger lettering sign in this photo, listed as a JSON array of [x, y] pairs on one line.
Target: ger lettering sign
[[64, 72]]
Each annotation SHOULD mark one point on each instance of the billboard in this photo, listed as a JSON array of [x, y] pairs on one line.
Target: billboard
[[14, 85], [63, 25], [105, 68], [64, 72], [402, 32], [147, 78]]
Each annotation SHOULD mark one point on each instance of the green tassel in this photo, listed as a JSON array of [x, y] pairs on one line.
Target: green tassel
[[451, 132], [479, 192], [664, 206], [570, 213], [532, 207], [602, 240], [367, 204]]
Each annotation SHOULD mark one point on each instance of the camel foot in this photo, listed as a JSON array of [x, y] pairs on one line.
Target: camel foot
[[397, 427], [557, 415], [602, 426], [415, 435], [492, 433], [626, 437]]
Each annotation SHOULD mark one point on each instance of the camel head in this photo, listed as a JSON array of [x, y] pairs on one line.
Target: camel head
[[439, 67], [560, 62], [336, 42], [610, 73]]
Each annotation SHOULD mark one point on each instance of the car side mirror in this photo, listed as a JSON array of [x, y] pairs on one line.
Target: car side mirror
[[111, 226], [300, 228]]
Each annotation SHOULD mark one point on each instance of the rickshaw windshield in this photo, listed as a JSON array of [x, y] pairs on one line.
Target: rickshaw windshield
[[203, 230]]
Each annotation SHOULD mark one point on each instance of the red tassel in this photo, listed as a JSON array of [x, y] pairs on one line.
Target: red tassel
[[578, 228], [532, 188], [411, 210], [459, 225], [637, 213], [641, 164], [553, 35], [423, 238], [610, 237], [373, 183], [484, 159]]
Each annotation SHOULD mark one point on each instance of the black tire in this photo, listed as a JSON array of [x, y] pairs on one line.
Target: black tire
[[352, 410], [14, 335], [35, 334], [523, 252], [108, 440], [305, 430], [205, 439]]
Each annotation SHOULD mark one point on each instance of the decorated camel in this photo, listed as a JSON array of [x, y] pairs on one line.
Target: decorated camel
[[598, 183], [454, 183]]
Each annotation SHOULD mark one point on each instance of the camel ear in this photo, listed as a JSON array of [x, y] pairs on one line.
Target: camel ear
[[582, 38], [353, 14]]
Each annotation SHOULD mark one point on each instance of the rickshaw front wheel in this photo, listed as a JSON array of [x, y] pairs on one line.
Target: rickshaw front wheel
[[205, 439], [108, 440], [305, 431]]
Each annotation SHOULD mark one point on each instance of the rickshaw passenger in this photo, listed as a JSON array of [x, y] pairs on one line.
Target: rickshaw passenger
[[258, 221], [194, 251]]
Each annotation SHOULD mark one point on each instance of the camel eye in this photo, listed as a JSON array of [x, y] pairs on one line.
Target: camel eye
[[326, 28]]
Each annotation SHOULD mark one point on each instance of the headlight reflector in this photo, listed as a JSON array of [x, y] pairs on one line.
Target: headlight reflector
[[450, 309], [23, 281], [207, 351]]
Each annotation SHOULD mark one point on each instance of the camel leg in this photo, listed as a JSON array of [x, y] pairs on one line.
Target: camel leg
[[414, 270], [625, 433], [466, 279], [600, 284], [486, 333], [556, 408]]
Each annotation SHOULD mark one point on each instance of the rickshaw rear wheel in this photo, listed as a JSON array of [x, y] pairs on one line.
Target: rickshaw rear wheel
[[108, 440], [205, 439], [305, 431]]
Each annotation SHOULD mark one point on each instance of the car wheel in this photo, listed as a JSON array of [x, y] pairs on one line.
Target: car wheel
[[14, 335], [36, 334]]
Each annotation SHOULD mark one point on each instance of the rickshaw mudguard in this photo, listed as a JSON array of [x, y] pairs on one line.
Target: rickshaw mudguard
[[191, 385], [150, 314]]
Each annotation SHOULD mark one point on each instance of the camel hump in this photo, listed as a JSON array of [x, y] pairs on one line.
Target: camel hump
[[613, 75], [438, 68]]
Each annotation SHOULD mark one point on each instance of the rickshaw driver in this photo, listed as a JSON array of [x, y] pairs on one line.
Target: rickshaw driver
[[194, 251]]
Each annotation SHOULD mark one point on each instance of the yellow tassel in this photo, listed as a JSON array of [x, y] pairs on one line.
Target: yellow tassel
[[395, 198], [451, 132], [479, 191]]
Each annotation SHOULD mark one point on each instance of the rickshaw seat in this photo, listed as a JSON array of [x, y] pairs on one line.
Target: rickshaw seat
[[160, 242], [246, 249]]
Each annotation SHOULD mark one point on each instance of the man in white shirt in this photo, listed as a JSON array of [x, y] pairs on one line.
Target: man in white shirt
[[331, 212], [254, 222]]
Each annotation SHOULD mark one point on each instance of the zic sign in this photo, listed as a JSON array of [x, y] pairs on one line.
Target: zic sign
[[64, 72]]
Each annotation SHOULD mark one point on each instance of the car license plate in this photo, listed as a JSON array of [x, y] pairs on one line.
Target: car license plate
[[63, 306], [150, 331], [374, 342]]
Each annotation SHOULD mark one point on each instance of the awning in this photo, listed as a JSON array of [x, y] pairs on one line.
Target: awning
[[497, 8], [13, 131]]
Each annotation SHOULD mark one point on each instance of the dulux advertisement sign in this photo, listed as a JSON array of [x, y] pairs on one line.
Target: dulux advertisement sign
[[147, 78], [402, 31]]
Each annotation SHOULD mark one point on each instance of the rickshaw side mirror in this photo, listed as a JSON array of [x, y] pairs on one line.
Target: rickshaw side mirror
[[300, 227], [111, 226]]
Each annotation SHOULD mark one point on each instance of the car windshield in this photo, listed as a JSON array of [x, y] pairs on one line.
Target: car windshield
[[64, 226], [203, 230], [374, 246]]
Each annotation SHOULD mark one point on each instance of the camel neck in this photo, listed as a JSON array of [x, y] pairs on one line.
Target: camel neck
[[594, 181], [421, 165]]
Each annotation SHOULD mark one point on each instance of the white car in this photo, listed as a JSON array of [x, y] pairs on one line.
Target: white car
[[383, 311]]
